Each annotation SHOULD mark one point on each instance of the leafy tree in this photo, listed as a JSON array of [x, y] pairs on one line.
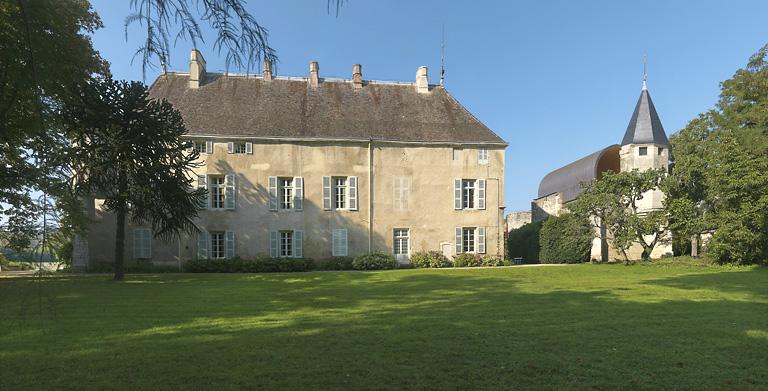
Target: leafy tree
[[524, 242], [612, 202], [128, 149], [565, 239], [719, 177]]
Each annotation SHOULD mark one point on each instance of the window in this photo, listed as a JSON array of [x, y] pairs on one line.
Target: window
[[340, 192], [470, 240], [201, 147], [401, 238], [286, 243], [217, 245], [643, 151], [455, 154], [660, 150], [482, 156], [286, 192], [142, 243], [401, 193], [218, 192], [468, 193], [239, 148], [339, 246]]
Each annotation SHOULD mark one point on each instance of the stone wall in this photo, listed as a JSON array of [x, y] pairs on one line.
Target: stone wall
[[516, 220], [551, 205]]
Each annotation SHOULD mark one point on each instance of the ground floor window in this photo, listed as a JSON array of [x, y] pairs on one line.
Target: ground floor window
[[217, 245], [401, 239], [468, 240], [286, 243]]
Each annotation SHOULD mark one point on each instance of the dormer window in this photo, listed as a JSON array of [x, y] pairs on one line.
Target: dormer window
[[642, 151], [239, 148]]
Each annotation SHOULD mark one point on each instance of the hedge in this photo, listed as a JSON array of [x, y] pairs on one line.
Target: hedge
[[430, 259], [524, 242], [565, 239], [375, 261]]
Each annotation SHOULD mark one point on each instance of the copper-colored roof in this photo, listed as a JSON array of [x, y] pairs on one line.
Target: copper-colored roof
[[568, 179], [289, 108]]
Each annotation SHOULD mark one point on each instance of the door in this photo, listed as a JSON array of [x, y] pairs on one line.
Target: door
[[402, 243]]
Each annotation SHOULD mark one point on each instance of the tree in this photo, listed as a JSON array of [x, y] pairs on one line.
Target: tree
[[719, 173], [128, 149], [612, 202], [524, 242], [565, 239]]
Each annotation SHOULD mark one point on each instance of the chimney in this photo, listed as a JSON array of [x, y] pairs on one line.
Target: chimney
[[196, 68], [357, 76], [267, 73], [422, 83], [314, 74]]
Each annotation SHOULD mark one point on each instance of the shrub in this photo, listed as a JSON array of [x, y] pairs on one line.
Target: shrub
[[491, 260], [256, 265], [338, 263], [375, 261], [430, 259], [3, 260], [524, 242], [467, 260], [565, 239]]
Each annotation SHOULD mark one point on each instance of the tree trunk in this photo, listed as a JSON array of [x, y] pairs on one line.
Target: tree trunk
[[120, 245]]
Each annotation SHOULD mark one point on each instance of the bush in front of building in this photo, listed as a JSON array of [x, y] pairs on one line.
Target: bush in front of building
[[375, 261], [337, 263], [524, 243], [430, 259], [565, 239], [467, 260], [492, 260], [255, 265]]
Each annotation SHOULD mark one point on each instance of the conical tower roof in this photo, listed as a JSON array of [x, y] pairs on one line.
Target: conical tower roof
[[645, 126]]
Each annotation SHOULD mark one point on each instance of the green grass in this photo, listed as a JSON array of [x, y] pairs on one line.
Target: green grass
[[583, 326]]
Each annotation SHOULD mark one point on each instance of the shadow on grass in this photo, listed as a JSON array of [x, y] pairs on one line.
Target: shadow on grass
[[391, 330]]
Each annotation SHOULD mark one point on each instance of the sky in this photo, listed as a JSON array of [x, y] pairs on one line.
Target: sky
[[557, 80]]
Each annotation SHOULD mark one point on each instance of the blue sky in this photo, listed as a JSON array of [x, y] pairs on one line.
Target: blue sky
[[557, 79]]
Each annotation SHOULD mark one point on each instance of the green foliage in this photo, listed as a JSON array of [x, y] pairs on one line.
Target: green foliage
[[430, 259], [3, 260], [565, 239], [467, 260], [492, 260], [375, 261], [337, 263], [255, 265], [64, 253], [524, 242], [719, 178], [612, 202]]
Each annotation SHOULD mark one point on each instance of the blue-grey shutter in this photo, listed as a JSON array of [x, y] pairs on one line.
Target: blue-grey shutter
[[229, 244], [202, 245], [352, 185], [209, 147], [344, 248], [480, 240], [298, 244], [298, 193], [457, 194], [202, 183], [230, 194], [230, 147], [249, 148], [481, 194], [273, 244], [458, 240], [272, 193], [327, 193]]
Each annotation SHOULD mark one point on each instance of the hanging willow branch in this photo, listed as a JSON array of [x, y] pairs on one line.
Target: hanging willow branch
[[244, 41]]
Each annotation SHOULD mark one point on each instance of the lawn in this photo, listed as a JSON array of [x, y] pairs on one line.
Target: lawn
[[583, 326]]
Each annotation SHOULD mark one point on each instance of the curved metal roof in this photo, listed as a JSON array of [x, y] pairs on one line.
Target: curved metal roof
[[645, 126], [568, 179]]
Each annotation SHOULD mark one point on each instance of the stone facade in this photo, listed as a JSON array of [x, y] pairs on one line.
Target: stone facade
[[550, 205], [516, 220]]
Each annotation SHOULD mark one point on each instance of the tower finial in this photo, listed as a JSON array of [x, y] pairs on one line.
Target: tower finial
[[645, 71], [442, 58]]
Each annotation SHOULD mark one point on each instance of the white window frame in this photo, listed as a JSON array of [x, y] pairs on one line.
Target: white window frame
[[468, 240], [218, 248], [401, 242], [217, 189], [340, 193], [201, 147], [285, 193], [468, 193], [482, 156], [285, 244]]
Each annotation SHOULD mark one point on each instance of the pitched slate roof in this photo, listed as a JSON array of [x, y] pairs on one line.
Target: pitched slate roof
[[289, 108], [568, 179], [645, 126]]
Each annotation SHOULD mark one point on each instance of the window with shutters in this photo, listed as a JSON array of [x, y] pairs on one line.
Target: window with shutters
[[482, 156], [200, 147], [218, 245], [340, 192], [286, 244], [401, 193], [468, 240], [217, 191], [468, 193], [285, 192], [239, 148], [401, 239], [142, 243]]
